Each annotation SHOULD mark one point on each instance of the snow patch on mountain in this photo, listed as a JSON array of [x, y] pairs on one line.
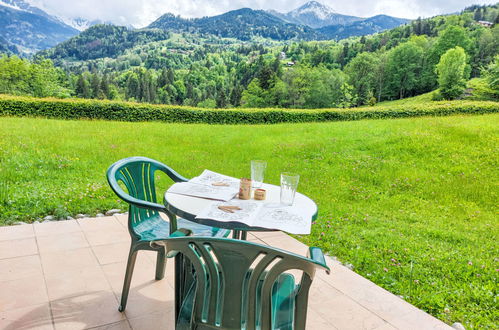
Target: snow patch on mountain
[[24, 6], [315, 8], [36, 7], [9, 5], [79, 23]]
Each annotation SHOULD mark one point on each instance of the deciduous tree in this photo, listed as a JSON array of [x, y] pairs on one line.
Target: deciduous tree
[[451, 73]]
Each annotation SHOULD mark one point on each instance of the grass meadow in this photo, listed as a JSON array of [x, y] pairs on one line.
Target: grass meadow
[[412, 203]]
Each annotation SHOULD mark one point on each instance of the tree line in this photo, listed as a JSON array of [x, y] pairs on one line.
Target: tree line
[[441, 52]]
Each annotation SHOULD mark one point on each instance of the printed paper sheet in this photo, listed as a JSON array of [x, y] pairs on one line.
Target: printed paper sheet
[[202, 186], [290, 219], [209, 178]]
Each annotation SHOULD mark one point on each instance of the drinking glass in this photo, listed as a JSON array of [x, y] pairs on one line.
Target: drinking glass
[[258, 172], [289, 183]]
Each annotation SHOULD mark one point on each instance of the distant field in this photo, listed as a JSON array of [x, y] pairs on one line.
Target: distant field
[[410, 203]]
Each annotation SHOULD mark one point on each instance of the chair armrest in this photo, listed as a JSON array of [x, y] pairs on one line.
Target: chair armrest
[[163, 243], [317, 256], [171, 173], [141, 203]]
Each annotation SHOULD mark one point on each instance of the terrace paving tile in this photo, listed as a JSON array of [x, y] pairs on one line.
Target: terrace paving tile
[[386, 326], [417, 319], [266, 234], [69, 275], [143, 272], [154, 321], [287, 243], [16, 232], [32, 317], [76, 282], [103, 237], [315, 321], [56, 227], [62, 261], [111, 253], [149, 297], [146, 294], [20, 267], [61, 242], [18, 248], [121, 325], [104, 223], [352, 316], [23, 292], [122, 219], [85, 311]]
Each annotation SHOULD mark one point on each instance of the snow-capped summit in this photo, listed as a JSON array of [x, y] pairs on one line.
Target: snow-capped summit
[[316, 15], [24, 6], [28, 29], [29, 6], [81, 24], [313, 8]]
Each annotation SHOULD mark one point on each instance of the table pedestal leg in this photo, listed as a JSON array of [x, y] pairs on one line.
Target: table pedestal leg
[[179, 272], [239, 234]]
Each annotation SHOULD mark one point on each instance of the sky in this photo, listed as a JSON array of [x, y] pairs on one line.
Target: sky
[[139, 13]]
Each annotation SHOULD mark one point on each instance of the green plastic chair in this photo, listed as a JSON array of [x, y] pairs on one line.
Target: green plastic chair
[[242, 285], [144, 221]]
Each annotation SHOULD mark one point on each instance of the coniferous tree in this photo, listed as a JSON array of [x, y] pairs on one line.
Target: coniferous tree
[[478, 16], [95, 85], [171, 75], [235, 96], [104, 86], [82, 87], [163, 78]]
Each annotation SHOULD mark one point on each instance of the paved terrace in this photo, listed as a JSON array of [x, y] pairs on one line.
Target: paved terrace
[[68, 275]]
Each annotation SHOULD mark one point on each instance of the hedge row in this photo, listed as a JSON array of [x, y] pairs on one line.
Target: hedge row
[[127, 111]]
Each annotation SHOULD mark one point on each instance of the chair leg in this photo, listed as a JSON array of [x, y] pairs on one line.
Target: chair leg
[[160, 264], [132, 256]]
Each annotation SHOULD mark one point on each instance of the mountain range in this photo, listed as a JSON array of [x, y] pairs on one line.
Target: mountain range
[[26, 29], [28, 32], [316, 15], [77, 23], [242, 24]]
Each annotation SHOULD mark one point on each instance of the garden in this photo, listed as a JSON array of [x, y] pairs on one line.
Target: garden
[[409, 203]]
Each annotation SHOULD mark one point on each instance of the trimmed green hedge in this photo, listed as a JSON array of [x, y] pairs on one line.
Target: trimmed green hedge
[[128, 111]]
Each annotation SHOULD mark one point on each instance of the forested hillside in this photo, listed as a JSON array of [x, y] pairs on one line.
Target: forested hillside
[[359, 28], [194, 69], [242, 24], [101, 41]]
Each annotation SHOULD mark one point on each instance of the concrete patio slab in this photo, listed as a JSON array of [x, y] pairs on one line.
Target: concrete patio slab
[[69, 275]]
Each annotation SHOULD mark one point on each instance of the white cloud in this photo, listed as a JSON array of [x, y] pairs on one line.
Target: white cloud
[[140, 13]]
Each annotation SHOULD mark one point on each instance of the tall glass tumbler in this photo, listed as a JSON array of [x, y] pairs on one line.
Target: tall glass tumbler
[[258, 172], [289, 184]]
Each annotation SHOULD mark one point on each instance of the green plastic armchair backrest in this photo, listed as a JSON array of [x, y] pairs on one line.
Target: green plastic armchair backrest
[[137, 174], [235, 281]]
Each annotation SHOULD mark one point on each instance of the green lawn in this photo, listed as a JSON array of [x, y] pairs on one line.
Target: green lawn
[[410, 203]]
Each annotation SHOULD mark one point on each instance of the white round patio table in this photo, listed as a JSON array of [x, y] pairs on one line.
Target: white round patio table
[[188, 207]]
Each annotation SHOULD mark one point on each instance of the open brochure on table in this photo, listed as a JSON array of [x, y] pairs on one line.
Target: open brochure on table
[[210, 185], [291, 219]]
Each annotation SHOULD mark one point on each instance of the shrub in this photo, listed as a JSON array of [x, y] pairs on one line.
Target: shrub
[[372, 101], [436, 96], [128, 111]]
